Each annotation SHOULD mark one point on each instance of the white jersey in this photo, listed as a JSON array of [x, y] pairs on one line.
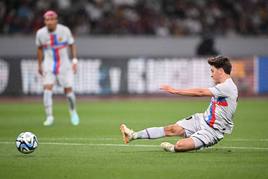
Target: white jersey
[[219, 114], [55, 49]]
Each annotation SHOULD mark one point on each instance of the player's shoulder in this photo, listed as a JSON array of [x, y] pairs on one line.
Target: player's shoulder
[[230, 82], [41, 31], [233, 85], [227, 85], [63, 27], [227, 82], [230, 86]]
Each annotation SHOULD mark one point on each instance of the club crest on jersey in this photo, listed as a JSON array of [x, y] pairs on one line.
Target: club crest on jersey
[[60, 39]]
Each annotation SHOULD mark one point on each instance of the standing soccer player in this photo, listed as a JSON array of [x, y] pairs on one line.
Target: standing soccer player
[[54, 64], [201, 129]]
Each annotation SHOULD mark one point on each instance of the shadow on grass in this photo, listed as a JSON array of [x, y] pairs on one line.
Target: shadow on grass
[[18, 156], [200, 152]]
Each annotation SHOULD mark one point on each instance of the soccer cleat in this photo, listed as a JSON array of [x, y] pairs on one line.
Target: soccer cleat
[[49, 121], [168, 147], [126, 133], [75, 118]]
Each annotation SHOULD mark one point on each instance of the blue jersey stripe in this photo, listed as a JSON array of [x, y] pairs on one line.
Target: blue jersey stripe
[[54, 36], [210, 113], [55, 61], [219, 99]]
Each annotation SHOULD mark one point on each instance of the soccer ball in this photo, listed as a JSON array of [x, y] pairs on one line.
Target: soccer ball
[[26, 142]]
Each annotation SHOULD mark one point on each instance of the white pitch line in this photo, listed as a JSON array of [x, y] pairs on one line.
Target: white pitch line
[[132, 145], [248, 140], [85, 144], [77, 138], [114, 139], [243, 148]]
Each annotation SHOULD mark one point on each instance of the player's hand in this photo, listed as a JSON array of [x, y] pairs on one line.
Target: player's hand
[[74, 67], [40, 70], [168, 89]]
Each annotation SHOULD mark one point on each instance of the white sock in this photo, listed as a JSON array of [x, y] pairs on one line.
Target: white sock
[[173, 149], [47, 99], [71, 99], [151, 133]]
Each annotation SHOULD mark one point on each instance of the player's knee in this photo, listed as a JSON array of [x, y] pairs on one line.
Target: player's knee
[[48, 87], [172, 130], [68, 90], [169, 130]]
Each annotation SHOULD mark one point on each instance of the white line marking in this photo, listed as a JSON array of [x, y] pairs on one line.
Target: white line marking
[[117, 138], [78, 138], [86, 144], [243, 148], [132, 145], [248, 140]]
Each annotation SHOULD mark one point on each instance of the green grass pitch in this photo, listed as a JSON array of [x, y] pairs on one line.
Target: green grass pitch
[[94, 149]]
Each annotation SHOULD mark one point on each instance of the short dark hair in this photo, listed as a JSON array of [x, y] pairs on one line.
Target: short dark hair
[[221, 62]]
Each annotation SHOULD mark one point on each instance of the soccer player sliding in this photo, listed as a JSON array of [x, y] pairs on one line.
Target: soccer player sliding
[[201, 129]]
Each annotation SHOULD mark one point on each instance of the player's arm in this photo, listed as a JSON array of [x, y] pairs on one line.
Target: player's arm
[[40, 59], [187, 92], [73, 51]]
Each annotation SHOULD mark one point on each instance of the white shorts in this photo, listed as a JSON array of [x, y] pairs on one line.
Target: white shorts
[[202, 134], [65, 78]]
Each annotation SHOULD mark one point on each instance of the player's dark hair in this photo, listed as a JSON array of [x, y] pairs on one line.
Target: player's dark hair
[[221, 62]]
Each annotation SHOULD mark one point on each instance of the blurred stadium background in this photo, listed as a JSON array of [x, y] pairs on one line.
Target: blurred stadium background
[[133, 46]]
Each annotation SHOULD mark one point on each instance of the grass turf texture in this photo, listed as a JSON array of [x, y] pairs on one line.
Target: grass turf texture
[[94, 148]]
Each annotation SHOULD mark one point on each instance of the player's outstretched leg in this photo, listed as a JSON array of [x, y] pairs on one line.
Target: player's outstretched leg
[[148, 133], [72, 106], [151, 133], [47, 99]]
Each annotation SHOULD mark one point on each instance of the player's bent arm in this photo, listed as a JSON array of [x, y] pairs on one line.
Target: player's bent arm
[[187, 92], [40, 55], [40, 59], [73, 51], [74, 57]]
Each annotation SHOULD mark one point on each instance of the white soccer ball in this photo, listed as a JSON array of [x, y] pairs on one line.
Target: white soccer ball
[[26, 142]]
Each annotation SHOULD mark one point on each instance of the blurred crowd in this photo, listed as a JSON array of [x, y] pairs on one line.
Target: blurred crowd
[[140, 17]]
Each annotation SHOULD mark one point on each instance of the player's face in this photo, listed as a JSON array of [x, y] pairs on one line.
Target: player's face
[[216, 74], [51, 23]]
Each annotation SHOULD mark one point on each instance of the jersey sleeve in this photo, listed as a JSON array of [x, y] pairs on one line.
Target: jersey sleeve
[[220, 90], [70, 38]]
